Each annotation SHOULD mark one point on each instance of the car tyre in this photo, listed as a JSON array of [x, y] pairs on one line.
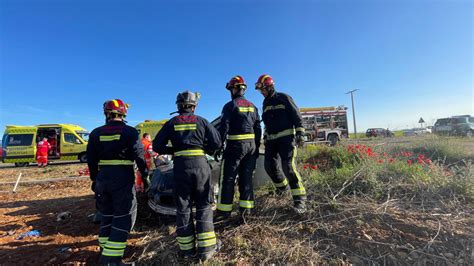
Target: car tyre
[[469, 133], [83, 157], [21, 164]]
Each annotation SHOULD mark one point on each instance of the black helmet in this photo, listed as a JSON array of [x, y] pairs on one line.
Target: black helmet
[[187, 98]]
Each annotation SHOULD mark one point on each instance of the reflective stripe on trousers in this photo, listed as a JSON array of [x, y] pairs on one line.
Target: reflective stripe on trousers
[[206, 239], [186, 242]]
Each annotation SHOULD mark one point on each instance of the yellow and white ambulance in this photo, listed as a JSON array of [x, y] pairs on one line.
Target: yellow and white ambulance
[[151, 127], [68, 142]]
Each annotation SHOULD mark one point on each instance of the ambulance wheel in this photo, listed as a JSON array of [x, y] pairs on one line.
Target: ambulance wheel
[[83, 157], [21, 164]]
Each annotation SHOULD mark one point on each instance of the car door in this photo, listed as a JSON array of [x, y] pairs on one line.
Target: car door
[[70, 145]]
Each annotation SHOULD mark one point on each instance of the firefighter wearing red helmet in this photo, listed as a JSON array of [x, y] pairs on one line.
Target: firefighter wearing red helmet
[[283, 133], [240, 127], [111, 152], [191, 137]]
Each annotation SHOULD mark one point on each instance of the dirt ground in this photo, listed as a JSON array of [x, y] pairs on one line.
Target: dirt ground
[[35, 207], [10, 173], [437, 235]]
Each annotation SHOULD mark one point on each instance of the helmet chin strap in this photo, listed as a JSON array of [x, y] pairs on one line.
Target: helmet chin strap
[[239, 92], [114, 117]]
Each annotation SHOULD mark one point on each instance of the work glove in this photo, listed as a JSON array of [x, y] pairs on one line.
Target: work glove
[[218, 154], [146, 183], [300, 139], [93, 186], [257, 152]]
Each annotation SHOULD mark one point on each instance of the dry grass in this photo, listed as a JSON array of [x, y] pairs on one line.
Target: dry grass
[[10, 174]]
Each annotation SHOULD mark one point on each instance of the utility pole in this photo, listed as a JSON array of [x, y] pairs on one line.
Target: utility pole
[[353, 111]]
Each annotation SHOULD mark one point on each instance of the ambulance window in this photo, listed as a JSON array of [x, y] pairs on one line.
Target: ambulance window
[[19, 140], [4, 140], [83, 135], [70, 138]]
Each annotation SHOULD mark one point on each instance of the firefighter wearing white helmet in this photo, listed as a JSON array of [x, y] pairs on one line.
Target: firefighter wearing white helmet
[[192, 137]]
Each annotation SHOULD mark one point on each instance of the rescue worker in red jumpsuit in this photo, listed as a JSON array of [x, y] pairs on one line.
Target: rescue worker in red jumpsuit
[[54, 145], [141, 184], [42, 151], [240, 126], [148, 147], [191, 137], [111, 152], [283, 132]]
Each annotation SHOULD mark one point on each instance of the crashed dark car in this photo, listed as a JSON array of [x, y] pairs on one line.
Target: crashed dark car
[[161, 195]]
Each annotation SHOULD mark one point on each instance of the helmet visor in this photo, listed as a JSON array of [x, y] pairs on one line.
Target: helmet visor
[[236, 86]]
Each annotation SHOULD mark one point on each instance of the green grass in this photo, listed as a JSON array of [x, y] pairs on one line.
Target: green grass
[[433, 167]]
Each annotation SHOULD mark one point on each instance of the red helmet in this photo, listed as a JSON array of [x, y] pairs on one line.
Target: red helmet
[[264, 81], [116, 106], [236, 81]]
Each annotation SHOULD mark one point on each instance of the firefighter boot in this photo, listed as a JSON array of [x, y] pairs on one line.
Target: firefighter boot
[[187, 254], [209, 254], [300, 207], [222, 216]]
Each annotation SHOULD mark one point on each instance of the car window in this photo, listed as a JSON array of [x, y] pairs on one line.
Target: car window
[[83, 135], [471, 119], [18, 140], [70, 138], [441, 122]]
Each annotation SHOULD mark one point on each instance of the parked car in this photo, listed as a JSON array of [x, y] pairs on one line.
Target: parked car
[[378, 132], [409, 133], [462, 125], [416, 131]]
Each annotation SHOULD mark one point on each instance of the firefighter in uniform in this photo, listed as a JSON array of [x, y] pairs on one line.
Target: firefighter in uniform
[[240, 126], [191, 137], [111, 152], [283, 132]]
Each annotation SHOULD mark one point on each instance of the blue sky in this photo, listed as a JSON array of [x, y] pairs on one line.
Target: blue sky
[[60, 60]]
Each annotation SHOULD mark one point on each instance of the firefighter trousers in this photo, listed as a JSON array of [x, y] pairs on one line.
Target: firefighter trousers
[[282, 151], [115, 199], [193, 188], [239, 159]]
